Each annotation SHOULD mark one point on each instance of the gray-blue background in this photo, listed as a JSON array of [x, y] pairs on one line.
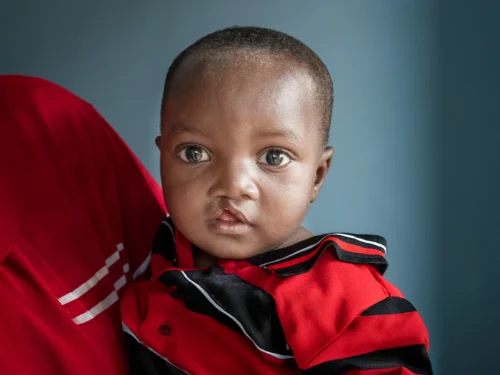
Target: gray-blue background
[[415, 126]]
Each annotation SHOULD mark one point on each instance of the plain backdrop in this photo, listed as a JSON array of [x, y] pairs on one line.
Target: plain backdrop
[[415, 125]]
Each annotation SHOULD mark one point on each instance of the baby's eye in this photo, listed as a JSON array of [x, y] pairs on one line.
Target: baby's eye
[[194, 154], [275, 158]]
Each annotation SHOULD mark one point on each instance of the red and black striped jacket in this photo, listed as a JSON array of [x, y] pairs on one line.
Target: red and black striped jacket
[[320, 306]]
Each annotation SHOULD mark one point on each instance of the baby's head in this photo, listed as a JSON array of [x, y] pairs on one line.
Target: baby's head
[[244, 127]]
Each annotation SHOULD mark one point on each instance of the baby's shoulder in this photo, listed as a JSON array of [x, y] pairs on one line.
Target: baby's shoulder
[[328, 285], [336, 272], [327, 281]]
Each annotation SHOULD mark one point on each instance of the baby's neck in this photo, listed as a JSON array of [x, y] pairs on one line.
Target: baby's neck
[[205, 260]]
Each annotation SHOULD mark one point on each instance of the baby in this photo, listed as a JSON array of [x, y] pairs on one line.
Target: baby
[[238, 285]]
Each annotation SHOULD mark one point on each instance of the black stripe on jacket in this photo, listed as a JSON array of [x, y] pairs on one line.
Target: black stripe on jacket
[[414, 358], [209, 291]]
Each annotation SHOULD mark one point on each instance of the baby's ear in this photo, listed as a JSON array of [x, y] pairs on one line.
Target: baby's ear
[[158, 142], [324, 163]]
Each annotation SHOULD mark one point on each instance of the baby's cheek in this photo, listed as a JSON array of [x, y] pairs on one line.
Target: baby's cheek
[[297, 190], [183, 203], [183, 182], [289, 207]]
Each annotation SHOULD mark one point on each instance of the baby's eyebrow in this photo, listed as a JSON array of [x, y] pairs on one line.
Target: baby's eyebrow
[[283, 133], [179, 128]]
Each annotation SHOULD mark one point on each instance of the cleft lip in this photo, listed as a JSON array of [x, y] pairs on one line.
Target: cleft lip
[[231, 209]]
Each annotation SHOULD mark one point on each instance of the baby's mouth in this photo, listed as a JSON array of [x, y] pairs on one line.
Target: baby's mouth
[[229, 221], [228, 216]]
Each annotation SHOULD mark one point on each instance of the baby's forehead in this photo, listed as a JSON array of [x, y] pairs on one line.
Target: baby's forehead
[[246, 87], [255, 105], [266, 87]]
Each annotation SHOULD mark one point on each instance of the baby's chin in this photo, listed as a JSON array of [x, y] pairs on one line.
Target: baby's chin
[[230, 248], [229, 253]]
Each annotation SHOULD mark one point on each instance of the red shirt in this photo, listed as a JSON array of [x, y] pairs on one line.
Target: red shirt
[[77, 215], [320, 306]]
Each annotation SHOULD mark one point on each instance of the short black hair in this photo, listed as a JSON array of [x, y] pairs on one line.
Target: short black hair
[[266, 41]]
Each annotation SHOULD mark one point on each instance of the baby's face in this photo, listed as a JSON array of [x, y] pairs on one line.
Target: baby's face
[[241, 158]]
